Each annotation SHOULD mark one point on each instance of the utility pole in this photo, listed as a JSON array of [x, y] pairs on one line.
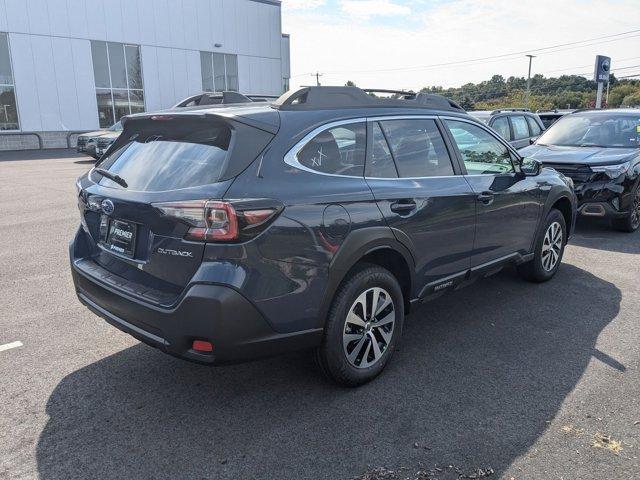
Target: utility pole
[[318, 75], [531, 57]]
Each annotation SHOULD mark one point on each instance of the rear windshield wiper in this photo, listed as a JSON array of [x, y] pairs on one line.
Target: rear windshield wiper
[[111, 176]]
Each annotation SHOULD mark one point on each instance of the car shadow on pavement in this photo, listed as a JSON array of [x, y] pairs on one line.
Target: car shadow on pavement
[[600, 235], [45, 154], [479, 374]]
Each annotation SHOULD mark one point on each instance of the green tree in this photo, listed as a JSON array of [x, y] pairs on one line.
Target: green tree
[[632, 100], [618, 93]]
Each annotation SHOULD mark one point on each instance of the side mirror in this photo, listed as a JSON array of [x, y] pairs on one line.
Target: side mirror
[[533, 140], [530, 166]]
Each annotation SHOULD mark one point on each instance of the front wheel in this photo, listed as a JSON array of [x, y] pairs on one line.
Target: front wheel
[[631, 222], [363, 327], [548, 250]]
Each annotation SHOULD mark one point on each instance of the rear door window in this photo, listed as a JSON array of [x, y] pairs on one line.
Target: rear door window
[[417, 148], [338, 151], [520, 127]]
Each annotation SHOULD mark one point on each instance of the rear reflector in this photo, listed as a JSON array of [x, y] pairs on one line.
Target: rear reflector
[[202, 346]]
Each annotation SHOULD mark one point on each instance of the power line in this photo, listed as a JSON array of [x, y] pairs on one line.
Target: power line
[[502, 56], [617, 60], [631, 76]]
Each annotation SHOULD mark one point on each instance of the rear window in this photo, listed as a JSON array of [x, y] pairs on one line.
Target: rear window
[[160, 155]]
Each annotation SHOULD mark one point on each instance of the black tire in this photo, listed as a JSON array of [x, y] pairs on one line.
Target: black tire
[[631, 222], [537, 270], [332, 354]]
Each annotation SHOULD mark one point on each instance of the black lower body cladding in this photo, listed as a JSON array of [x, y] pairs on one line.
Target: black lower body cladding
[[208, 312]]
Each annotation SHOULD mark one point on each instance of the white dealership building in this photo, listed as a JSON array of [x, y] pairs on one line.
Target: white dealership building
[[76, 65]]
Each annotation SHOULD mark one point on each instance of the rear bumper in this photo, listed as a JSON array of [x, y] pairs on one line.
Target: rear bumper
[[216, 313]]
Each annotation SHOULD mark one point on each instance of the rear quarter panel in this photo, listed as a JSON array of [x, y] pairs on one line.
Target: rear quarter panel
[[285, 271]]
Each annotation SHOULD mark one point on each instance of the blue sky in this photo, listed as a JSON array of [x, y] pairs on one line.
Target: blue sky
[[394, 43]]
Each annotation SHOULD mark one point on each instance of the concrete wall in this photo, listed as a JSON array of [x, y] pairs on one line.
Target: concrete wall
[[51, 51]]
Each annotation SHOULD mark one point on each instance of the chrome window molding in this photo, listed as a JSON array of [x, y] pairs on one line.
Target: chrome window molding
[[291, 158]]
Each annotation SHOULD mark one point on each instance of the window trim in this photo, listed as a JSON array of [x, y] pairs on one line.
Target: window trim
[[291, 157], [515, 156], [15, 89]]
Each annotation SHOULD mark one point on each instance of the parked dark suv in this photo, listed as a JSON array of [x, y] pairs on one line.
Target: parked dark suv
[[228, 233], [600, 151], [518, 126]]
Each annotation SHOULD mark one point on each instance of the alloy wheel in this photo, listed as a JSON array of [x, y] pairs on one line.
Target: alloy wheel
[[635, 212], [368, 328], [552, 246]]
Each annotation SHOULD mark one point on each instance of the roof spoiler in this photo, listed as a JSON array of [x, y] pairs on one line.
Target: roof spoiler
[[323, 98]]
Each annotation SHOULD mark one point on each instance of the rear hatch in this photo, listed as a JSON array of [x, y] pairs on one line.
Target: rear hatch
[[139, 204]]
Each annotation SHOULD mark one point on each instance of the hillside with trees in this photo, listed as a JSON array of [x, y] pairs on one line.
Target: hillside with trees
[[567, 91]]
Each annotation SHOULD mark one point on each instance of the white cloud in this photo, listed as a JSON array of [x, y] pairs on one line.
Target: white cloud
[[368, 8], [303, 4], [334, 44]]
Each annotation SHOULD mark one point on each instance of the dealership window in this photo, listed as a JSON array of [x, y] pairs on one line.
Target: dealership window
[[8, 106], [118, 75], [219, 72]]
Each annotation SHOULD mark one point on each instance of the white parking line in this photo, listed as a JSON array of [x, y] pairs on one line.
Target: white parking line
[[9, 346]]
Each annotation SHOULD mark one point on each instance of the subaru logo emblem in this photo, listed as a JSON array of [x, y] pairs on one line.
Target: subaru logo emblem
[[107, 206]]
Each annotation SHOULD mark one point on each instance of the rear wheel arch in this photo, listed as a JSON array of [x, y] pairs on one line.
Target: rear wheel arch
[[359, 250], [394, 262]]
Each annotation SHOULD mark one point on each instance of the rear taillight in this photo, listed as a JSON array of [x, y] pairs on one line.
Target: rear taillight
[[218, 221]]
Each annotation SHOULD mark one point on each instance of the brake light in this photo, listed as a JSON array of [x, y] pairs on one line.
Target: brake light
[[216, 221], [220, 223]]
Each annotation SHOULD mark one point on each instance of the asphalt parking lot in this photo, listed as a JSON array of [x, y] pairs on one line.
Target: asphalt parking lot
[[525, 381]]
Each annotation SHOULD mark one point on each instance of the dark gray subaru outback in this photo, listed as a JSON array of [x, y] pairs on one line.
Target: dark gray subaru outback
[[233, 232]]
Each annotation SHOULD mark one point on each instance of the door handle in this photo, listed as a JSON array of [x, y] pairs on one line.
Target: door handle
[[403, 206], [486, 197]]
